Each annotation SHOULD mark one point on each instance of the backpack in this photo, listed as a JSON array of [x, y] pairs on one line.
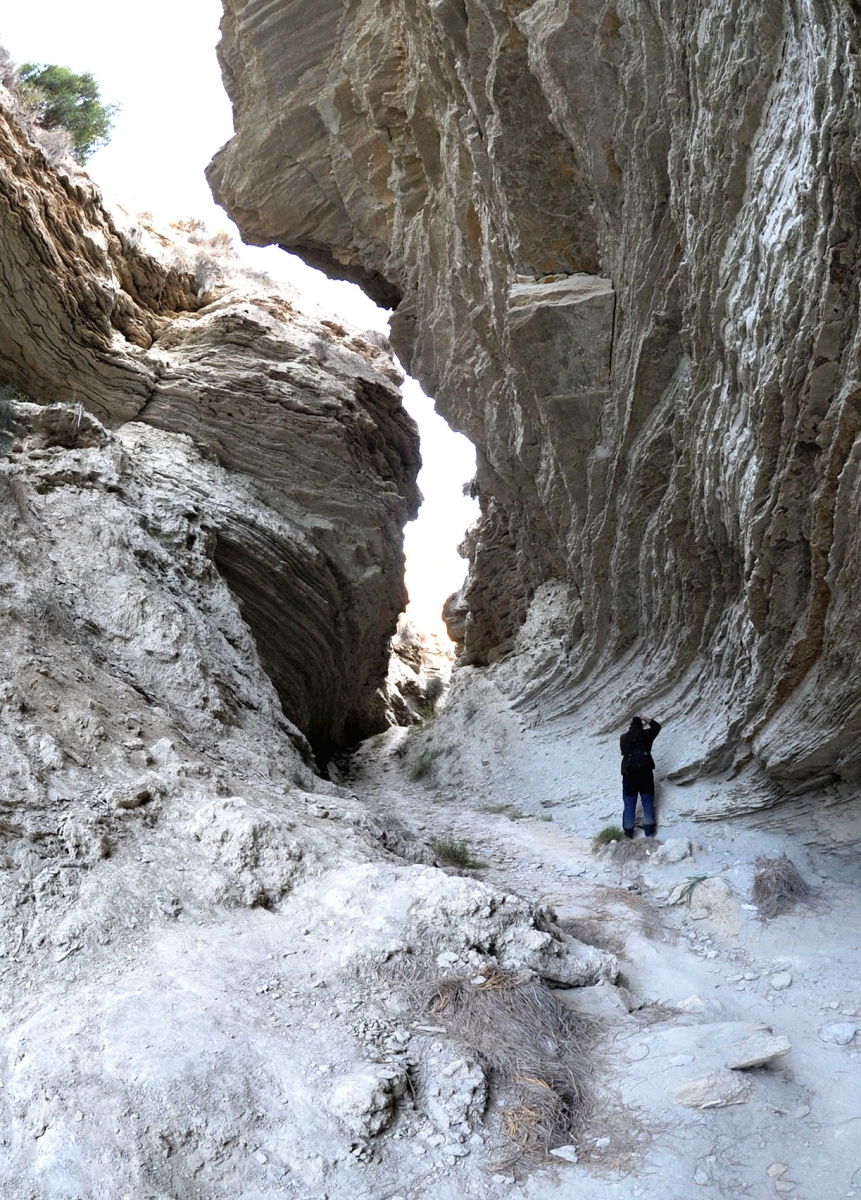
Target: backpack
[[636, 760]]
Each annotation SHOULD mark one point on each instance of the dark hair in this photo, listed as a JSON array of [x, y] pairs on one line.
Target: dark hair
[[636, 724]]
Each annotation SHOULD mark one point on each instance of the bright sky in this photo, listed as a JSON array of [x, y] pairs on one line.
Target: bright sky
[[157, 60]]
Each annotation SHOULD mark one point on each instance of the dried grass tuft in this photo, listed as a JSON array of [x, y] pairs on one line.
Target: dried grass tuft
[[607, 835], [778, 887], [455, 852], [534, 1051], [630, 850]]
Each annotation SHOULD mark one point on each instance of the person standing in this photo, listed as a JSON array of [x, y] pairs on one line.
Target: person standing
[[638, 774]]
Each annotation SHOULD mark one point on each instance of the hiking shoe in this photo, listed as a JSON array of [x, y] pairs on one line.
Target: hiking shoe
[[629, 833], [650, 830]]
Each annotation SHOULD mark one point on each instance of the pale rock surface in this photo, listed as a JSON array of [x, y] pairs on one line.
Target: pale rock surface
[[673, 850], [307, 460], [472, 925], [756, 1051], [456, 1091], [716, 1090], [621, 245], [841, 1033]]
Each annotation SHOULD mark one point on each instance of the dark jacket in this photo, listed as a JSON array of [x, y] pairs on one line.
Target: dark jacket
[[644, 779]]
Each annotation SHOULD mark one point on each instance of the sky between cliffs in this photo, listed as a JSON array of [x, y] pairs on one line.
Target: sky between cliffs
[[157, 60]]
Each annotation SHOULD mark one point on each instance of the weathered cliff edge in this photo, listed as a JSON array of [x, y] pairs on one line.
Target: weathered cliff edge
[[317, 457], [622, 242]]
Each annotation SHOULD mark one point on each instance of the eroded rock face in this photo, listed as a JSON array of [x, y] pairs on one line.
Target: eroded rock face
[[623, 244], [314, 459]]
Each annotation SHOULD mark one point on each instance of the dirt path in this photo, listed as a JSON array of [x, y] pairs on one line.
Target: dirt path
[[698, 974]]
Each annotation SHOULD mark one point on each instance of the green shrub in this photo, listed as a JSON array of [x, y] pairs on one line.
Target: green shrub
[[610, 833], [423, 764], [435, 688], [455, 852], [60, 99]]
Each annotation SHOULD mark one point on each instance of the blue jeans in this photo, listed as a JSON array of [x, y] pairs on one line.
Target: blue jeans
[[629, 801]]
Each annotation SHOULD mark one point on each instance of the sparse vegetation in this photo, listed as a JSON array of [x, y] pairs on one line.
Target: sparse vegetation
[[495, 808], [455, 852], [423, 765], [58, 98], [533, 1049], [778, 886], [690, 885], [434, 690], [610, 833]]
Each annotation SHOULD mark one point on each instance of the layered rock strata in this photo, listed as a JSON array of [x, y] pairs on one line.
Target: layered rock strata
[[200, 939], [622, 243], [301, 418]]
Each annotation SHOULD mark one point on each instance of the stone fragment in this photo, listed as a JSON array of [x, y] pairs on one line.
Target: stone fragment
[[567, 1153], [674, 850], [162, 752], [755, 1051], [781, 981], [364, 1100], [715, 1090], [840, 1033], [776, 1170]]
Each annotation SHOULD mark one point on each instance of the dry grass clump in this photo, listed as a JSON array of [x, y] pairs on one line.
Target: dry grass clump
[[533, 1050], [778, 886], [455, 852], [630, 850], [610, 833]]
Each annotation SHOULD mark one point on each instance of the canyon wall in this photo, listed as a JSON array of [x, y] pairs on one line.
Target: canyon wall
[[314, 458], [620, 240]]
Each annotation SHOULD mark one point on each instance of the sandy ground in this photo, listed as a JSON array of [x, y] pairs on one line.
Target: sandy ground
[[528, 797]]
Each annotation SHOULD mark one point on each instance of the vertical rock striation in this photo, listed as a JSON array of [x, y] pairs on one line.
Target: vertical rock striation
[[622, 242], [301, 417]]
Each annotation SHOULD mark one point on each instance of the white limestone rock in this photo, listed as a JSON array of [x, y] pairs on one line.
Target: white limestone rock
[[715, 1090]]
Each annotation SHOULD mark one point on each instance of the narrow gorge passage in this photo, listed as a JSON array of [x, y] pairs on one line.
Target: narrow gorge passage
[[620, 243], [699, 968]]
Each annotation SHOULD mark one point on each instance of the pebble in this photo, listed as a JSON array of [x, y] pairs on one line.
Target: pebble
[[781, 981], [261, 1157], [776, 1170], [568, 1153]]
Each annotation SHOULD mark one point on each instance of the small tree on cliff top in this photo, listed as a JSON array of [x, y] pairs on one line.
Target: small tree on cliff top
[[60, 99]]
